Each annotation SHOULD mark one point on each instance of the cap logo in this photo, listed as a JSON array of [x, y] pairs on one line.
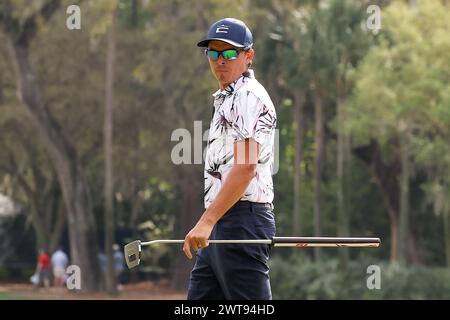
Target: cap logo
[[222, 28]]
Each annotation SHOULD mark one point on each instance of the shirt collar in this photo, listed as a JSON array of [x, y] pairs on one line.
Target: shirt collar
[[235, 85]]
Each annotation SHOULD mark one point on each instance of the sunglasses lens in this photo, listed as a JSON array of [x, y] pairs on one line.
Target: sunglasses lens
[[230, 54], [213, 55]]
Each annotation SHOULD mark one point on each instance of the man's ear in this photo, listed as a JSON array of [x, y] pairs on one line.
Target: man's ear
[[250, 55]]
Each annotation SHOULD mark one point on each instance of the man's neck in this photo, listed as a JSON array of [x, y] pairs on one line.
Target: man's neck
[[223, 86]]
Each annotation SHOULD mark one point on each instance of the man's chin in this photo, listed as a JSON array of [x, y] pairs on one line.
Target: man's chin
[[222, 75], [222, 78]]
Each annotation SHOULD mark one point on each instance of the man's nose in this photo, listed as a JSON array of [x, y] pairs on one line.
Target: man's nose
[[221, 60]]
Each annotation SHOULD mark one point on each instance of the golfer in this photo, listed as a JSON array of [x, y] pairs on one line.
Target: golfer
[[238, 175]]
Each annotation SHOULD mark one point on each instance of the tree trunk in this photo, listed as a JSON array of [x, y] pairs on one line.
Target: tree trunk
[[47, 217], [82, 232], [446, 223], [58, 227], [136, 208], [386, 178], [134, 13], [404, 198], [394, 240], [299, 133], [36, 212], [54, 213], [414, 251], [41, 232], [342, 182], [190, 213], [110, 276], [319, 152]]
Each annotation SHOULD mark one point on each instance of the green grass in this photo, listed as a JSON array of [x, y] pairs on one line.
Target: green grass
[[8, 296]]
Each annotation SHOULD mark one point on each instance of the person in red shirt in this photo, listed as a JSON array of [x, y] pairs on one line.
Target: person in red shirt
[[42, 269]]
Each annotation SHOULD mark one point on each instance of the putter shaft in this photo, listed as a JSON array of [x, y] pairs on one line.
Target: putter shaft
[[258, 241], [293, 242]]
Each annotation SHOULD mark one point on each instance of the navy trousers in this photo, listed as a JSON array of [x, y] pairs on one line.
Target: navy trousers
[[236, 271]]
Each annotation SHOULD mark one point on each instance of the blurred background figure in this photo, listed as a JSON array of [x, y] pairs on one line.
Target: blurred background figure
[[42, 267], [118, 265], [59, 262]]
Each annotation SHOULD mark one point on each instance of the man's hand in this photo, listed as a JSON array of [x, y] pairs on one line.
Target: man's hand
[[197, 238]]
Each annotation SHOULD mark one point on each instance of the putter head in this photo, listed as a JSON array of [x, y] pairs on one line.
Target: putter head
[[132, 253]]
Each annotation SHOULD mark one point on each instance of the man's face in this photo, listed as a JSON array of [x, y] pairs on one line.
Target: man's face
[[227, 71]]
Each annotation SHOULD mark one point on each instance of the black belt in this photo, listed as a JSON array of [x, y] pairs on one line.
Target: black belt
[[242, 204]]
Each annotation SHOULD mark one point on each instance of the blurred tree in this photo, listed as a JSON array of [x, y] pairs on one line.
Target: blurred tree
[[33, 184], [349, 43], [20, 29], [111, 285], [405, 72]]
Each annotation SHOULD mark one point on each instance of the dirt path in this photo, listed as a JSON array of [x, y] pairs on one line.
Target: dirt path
[[137, 291]]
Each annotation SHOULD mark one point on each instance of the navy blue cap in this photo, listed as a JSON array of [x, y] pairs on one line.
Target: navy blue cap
[[229, 30]]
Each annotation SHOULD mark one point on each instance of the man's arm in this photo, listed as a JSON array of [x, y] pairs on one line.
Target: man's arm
[[246, 154]]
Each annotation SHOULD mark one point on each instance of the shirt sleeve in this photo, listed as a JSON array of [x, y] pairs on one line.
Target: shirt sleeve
[[251, 118]]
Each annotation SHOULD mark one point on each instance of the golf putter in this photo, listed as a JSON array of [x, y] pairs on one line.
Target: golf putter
[[133, 249]]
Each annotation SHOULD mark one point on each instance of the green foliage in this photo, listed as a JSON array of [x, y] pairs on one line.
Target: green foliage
[[406, 76], [17, 257], [299, 278], [403, 85]]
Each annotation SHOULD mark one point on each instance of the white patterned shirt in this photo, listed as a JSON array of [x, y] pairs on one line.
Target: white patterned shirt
[[243, 110]]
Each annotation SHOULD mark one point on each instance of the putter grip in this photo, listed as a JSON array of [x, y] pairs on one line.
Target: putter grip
[[325, 242]]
